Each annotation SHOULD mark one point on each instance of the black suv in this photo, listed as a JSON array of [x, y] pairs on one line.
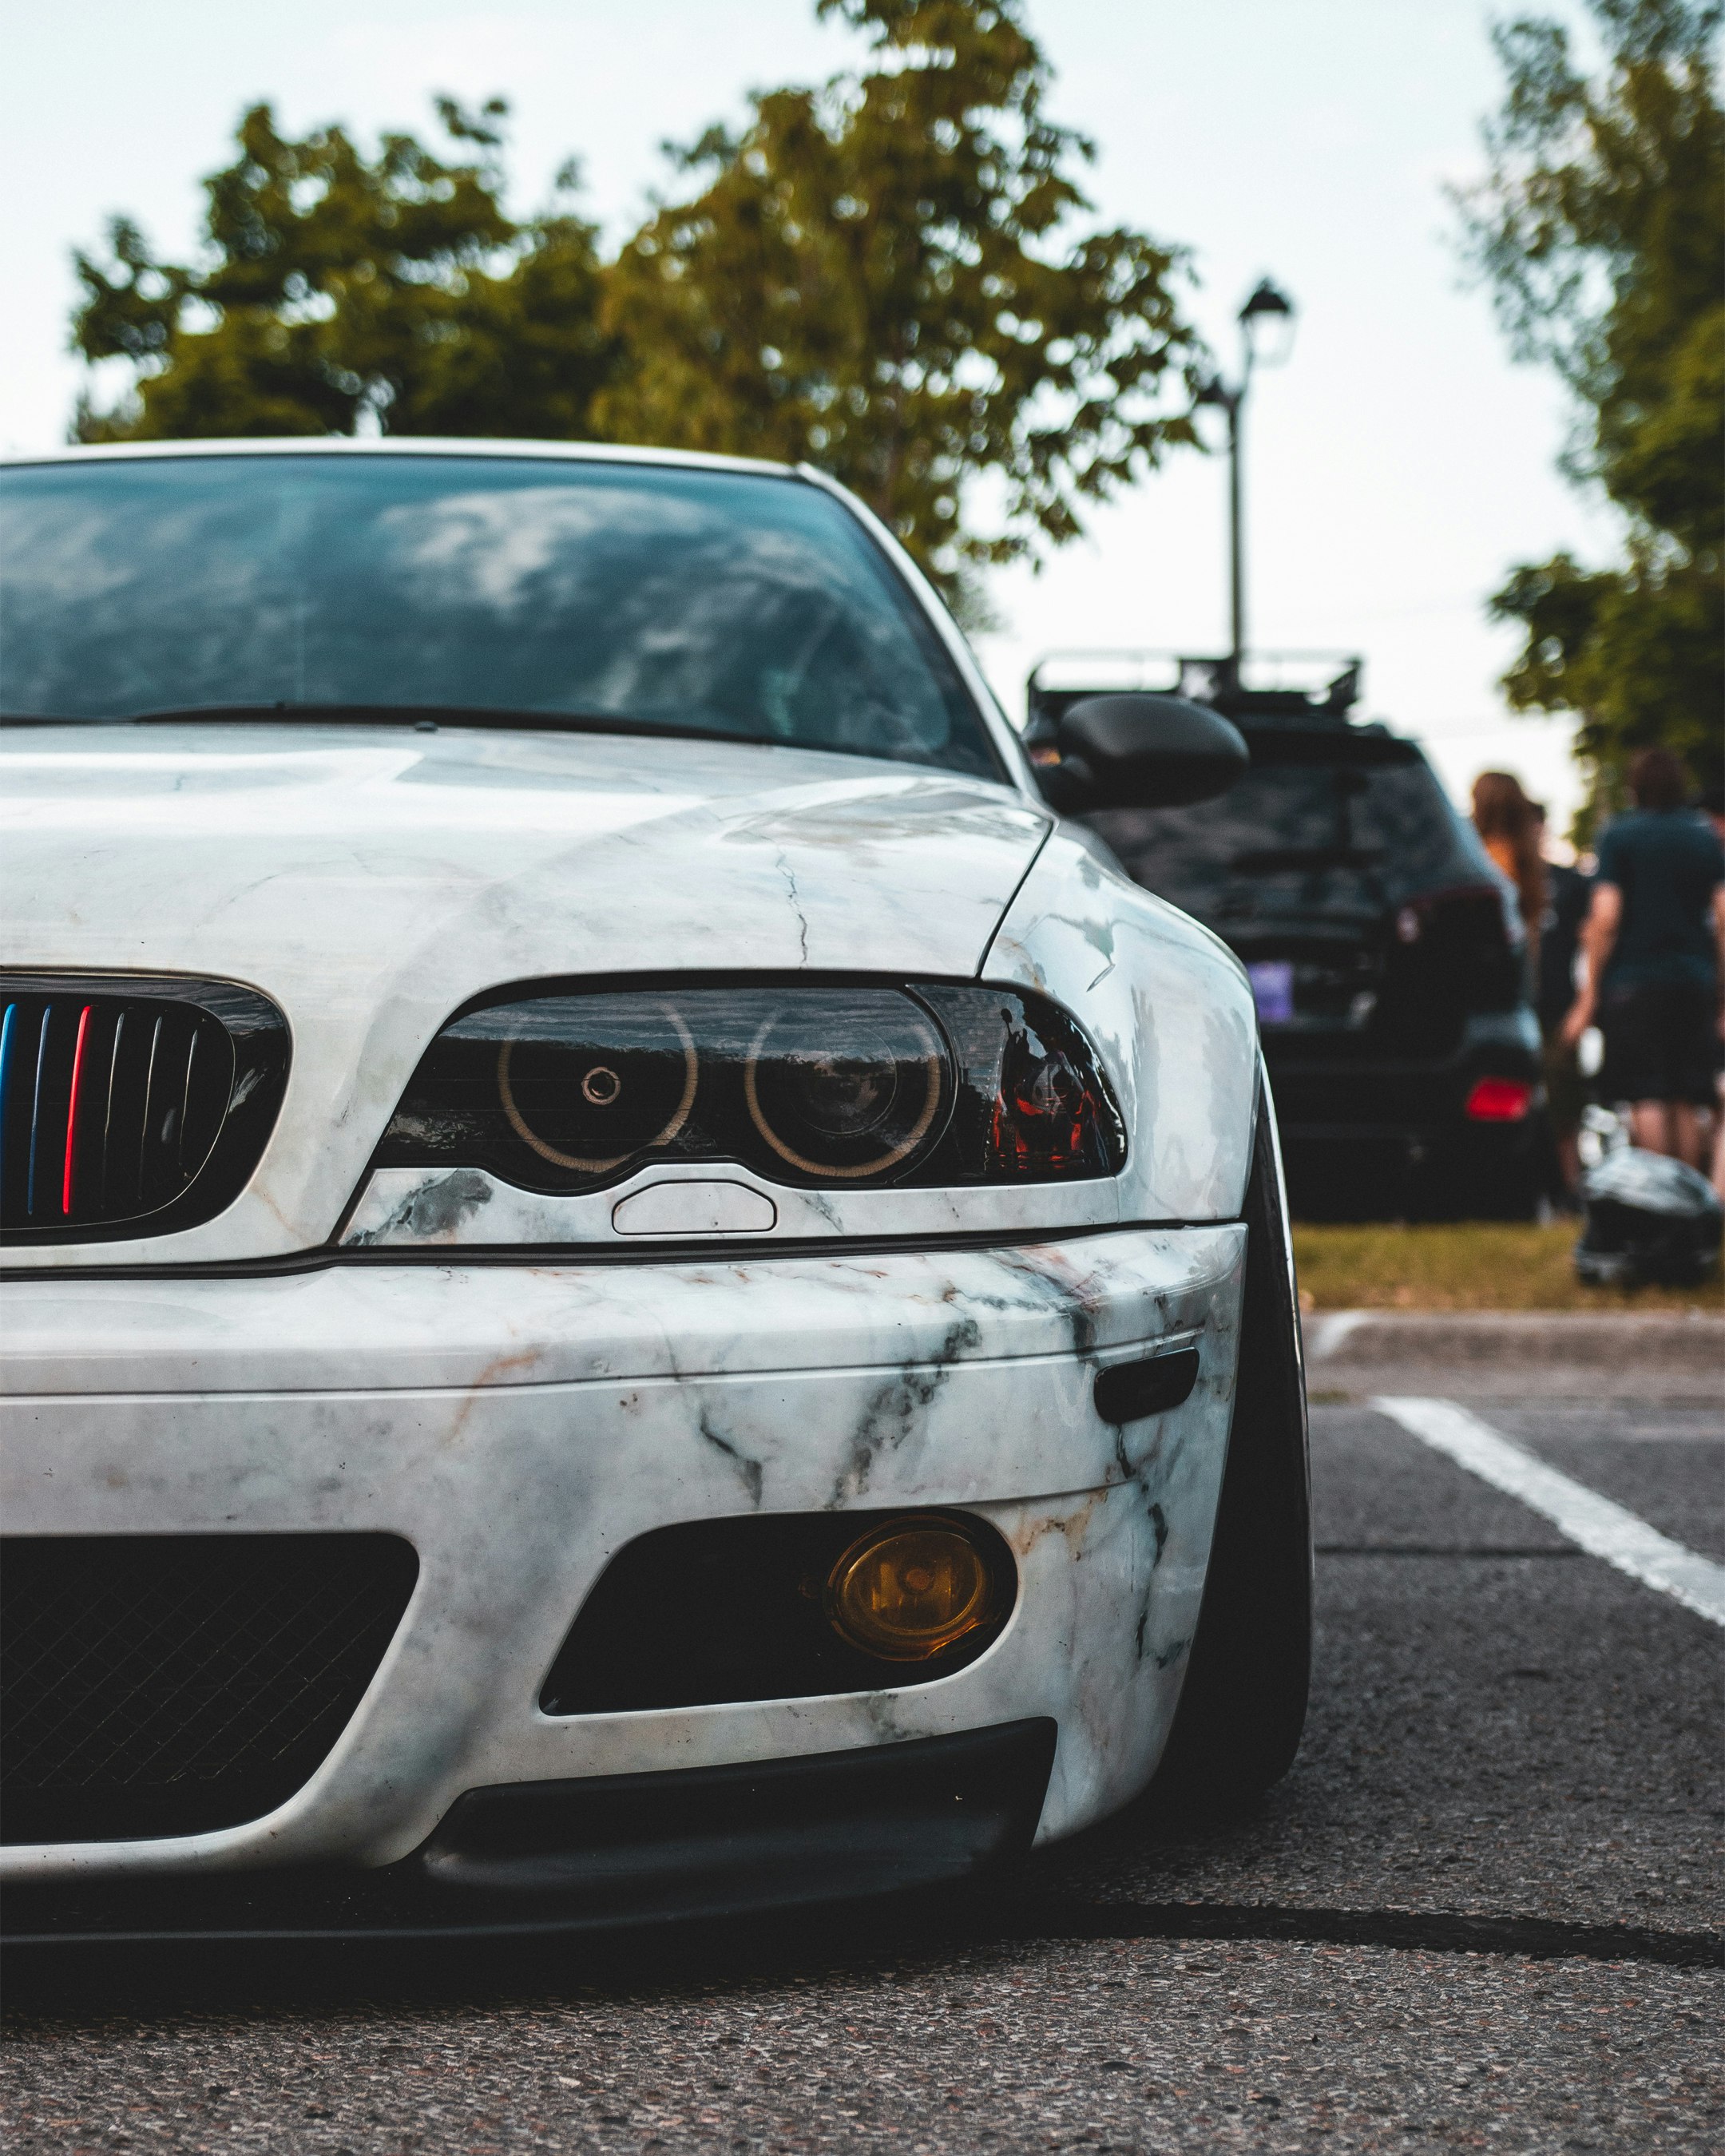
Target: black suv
[[1385, 953]]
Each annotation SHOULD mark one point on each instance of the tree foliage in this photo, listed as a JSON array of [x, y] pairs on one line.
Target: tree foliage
[[874, 278], [339, 291], [1599, 228], [881, 276]]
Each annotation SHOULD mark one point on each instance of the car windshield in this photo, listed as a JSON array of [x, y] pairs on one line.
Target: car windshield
[[1301, 829], [712, 601]]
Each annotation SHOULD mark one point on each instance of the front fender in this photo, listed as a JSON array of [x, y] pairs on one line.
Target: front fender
[[1169, 1008]]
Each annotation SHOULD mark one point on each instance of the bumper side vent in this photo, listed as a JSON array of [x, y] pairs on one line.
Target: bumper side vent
[[130, 1107], [157, 1684]]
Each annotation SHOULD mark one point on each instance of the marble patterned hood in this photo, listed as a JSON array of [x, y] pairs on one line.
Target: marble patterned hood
[[370, 880]]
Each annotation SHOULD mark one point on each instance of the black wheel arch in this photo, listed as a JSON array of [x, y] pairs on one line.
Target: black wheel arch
[[1248, 1676]]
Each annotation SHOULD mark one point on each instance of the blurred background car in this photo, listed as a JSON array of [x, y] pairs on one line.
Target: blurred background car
[[1386, 953]]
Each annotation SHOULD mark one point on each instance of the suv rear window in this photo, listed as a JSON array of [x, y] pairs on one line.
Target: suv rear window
[[1316, 821]]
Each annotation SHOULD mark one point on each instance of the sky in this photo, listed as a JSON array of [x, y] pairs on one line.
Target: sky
[[1395, 466]]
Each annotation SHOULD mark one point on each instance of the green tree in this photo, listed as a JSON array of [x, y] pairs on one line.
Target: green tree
[[876, 276], [879, 276], [338, 292], [1599, 228]]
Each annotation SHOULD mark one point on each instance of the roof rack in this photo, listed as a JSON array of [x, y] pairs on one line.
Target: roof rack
[[1287, 688]]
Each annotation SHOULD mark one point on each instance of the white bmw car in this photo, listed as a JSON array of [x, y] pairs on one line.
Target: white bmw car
[[634, 1285]]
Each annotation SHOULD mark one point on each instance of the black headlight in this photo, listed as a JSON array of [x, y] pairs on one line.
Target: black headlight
[[839, 1085]]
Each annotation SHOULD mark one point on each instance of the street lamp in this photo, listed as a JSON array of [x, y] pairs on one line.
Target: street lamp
[[1266, 336]]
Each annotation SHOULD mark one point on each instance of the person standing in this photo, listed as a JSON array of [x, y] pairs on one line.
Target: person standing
[[1509, 830], [1654, 947], [1568, 892]]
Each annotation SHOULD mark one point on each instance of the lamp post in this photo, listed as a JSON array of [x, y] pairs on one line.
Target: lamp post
[[1266, 336]]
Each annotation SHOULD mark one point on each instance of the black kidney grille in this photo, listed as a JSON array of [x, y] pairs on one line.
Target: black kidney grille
[[123, 1103], [166, 1685]]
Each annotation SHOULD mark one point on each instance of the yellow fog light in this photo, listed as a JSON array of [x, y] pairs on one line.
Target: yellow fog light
[[908, 1588]]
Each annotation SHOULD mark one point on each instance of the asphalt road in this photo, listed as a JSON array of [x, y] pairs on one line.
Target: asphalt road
[[1483, 1911]]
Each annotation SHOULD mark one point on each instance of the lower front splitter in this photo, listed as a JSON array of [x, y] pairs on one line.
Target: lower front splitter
[[617, 1851]]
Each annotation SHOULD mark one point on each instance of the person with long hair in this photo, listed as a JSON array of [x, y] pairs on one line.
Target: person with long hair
[[1511, 828]]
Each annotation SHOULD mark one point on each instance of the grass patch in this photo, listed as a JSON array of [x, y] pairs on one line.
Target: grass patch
[[1465, 1265]]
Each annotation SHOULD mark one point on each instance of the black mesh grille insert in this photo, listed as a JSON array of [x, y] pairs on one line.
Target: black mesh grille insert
[[128, 1105], [161, 1685]]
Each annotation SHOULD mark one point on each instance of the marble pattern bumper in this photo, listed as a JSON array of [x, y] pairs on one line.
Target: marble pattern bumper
[[519, 1423]]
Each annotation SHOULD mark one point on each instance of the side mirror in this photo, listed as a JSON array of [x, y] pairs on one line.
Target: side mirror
[[1141, 752]]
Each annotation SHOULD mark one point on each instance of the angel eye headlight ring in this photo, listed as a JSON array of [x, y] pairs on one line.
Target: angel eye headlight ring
[[600, 1086], [933, 1066]]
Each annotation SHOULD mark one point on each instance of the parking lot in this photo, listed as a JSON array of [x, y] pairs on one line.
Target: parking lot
[[1484, 1910]]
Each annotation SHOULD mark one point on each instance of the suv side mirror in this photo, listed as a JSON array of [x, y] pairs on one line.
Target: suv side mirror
[[1140, 751]]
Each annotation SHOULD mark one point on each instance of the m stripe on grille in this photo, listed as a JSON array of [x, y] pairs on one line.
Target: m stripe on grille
[[119, 1096]]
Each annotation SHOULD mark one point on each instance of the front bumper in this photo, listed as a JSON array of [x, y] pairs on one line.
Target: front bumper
[[519, 1423]]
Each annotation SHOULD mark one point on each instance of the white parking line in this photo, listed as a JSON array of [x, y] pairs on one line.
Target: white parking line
[[1326, 1333], [1592, 1521]]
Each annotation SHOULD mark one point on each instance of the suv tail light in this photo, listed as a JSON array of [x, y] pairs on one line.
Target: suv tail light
[[1499, 1100]]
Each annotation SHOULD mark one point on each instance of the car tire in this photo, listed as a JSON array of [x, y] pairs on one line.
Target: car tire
[[1243, 1704]]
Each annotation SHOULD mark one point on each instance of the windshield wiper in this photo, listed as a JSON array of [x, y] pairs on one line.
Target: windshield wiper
[[424, 717]]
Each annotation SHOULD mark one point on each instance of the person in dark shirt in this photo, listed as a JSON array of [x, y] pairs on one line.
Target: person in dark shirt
[[1655, 947], [1567, 894]]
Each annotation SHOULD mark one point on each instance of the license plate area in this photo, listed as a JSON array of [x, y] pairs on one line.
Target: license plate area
[[1272, 981]]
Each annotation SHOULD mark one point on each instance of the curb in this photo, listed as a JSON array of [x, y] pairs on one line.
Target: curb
[[1667, 1348]]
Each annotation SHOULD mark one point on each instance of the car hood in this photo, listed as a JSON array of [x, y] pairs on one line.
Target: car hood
[[371, 880]]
